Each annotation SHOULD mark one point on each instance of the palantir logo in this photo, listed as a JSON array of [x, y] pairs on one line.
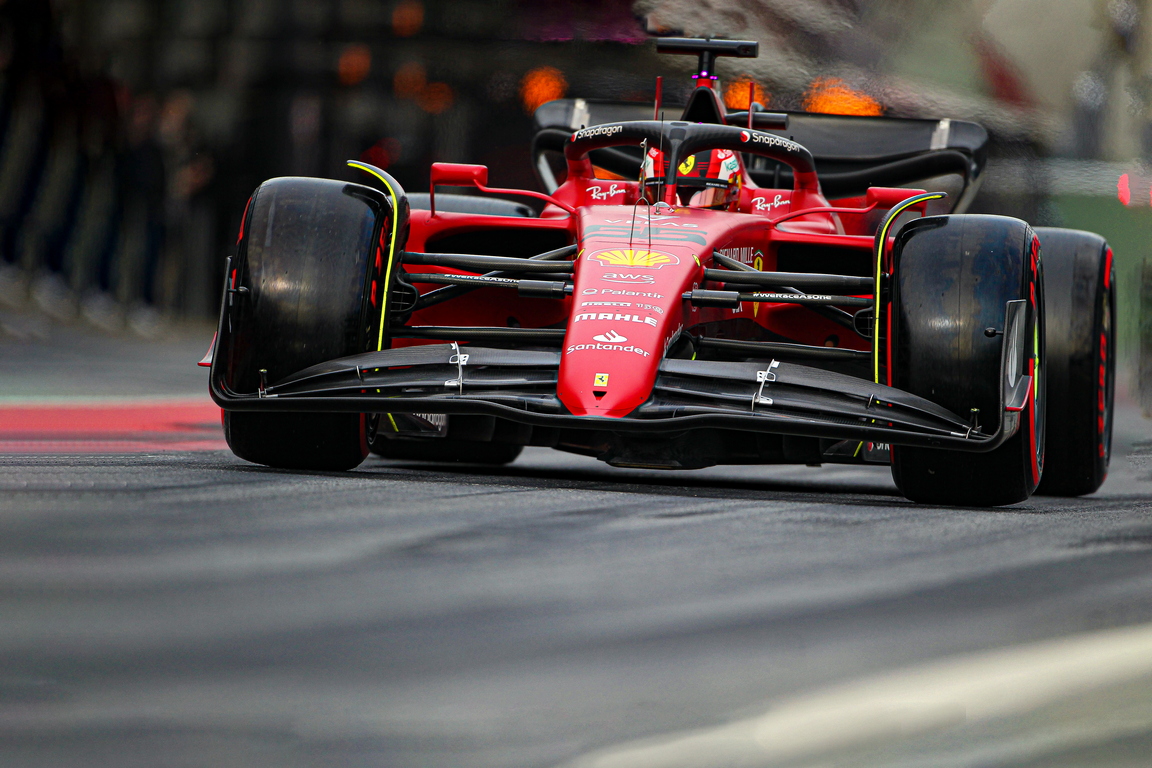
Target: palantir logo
[[611, 338]]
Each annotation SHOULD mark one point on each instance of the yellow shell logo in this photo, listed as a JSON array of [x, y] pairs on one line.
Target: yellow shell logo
[[635, 258]]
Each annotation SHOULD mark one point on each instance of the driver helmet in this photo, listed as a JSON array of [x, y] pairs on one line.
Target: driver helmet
[[709, 179]]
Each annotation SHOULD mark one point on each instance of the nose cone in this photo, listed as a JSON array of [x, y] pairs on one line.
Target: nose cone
[[610, 358], [627, 305]]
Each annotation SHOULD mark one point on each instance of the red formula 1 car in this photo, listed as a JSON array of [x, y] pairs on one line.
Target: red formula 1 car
[[747, 288]]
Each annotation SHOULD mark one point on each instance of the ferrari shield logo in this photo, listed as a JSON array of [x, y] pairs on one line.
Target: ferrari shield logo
[[634, 258], [601, 380]]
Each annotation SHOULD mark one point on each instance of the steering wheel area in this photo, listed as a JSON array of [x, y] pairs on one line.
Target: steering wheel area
[[680, 140]]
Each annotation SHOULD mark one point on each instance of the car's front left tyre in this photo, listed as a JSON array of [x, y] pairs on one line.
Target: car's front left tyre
[[953, 278]]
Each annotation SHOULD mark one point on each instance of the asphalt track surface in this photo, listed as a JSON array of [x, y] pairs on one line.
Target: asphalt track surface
[[165, 604]]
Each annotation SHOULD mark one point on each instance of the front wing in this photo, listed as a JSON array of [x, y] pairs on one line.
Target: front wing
[[520, 385]]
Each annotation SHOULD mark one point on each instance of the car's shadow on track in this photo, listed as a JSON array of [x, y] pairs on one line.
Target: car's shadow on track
[[656, 483], [820, 489]]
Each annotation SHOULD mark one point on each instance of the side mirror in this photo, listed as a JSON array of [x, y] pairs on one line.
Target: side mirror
[[887, 197], [464, 175], [459, 175]]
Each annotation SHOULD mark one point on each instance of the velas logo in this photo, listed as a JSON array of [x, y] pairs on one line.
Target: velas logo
[[611, 337], [634, 258]]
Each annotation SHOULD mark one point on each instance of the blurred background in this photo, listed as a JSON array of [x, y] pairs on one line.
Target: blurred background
[[133, 131]]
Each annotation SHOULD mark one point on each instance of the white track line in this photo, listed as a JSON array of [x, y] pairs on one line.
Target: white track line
[[901, 704]]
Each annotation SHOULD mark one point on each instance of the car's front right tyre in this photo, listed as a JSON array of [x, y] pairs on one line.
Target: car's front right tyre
[[1079, 286], [305, 289]]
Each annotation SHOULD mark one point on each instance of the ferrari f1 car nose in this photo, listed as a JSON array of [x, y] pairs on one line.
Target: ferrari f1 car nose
[[610, 359], [627, 307]]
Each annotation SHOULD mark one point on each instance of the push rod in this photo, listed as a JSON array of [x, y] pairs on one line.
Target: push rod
[[453, 291], [475, 263], [545, 289], [842, 283], [838, 316], [704, 298], [783, 349], [453, 333]]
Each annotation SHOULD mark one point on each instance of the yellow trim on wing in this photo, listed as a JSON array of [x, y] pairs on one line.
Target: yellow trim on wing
[[881, 244], [391, 249]]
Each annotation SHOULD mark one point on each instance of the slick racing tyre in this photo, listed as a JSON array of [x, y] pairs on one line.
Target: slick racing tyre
[[316, 441], [1081, 312], [446, 450], [306, 257], [953, 276]]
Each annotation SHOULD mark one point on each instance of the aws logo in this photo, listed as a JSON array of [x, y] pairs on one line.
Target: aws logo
[[625, 277], [634, 258]]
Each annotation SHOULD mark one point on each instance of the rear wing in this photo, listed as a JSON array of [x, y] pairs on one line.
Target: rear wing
[[852, 153]]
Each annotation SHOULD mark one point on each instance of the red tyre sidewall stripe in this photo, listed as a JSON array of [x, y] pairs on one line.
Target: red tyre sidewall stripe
[[1102, 384], [243, 221]]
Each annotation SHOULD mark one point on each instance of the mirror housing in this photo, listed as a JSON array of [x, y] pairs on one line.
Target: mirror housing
[[887, 197], [466, 175], [459, 175]]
